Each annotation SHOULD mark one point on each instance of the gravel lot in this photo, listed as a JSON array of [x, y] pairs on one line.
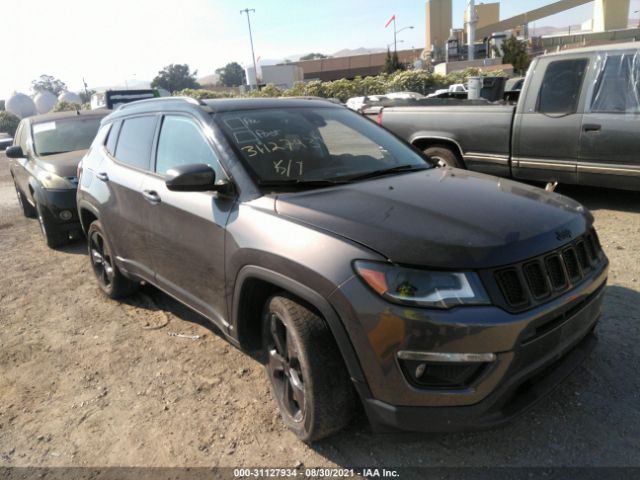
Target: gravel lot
[[85, 381]]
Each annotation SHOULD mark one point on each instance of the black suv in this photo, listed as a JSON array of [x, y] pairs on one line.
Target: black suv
[[442, 299], [44, 163]]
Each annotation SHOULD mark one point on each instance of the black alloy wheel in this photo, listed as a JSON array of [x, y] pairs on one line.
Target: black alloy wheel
[[284, 369]]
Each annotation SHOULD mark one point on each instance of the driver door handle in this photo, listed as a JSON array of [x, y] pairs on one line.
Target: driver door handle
[[102, 176], [591, 127], [151, 196]]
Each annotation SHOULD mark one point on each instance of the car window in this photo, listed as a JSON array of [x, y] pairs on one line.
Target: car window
[[618, 87], [20, 137], [181, 143], [307, 144], [561, 86], [64, 135], [134, 141], [110, 145], [340, 141]]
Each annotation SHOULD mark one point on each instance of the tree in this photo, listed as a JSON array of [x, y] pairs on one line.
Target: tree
[[85, 95], [232, 75], [8, 122], [392, 62], [313, 56], [514, 52], [175, 77], [48, 83]]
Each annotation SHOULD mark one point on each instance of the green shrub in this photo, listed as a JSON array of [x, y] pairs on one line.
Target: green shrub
[[66, 107], [8, 122], [201, 94], [419, 81]]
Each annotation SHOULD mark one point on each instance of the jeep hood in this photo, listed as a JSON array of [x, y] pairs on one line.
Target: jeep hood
[[442, 218], [62, 164]]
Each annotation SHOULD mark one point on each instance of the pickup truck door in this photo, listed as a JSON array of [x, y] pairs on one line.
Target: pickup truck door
[[610, 137], [548, 121]]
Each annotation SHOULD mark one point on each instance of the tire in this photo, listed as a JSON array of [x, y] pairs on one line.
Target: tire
[[53, 236], [443, 156], [27, 209], [110, 279], [307, 373]]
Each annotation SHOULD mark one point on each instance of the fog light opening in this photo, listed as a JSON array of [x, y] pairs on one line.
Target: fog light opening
[[435, 370]]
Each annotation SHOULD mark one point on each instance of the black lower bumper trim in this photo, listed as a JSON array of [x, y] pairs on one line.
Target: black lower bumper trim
[[498, 408]]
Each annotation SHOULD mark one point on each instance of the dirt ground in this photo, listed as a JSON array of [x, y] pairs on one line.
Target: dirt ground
[[86, 381]]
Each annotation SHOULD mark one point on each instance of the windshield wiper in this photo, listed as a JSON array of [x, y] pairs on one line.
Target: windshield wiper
[[387, 171], [301, 183], [44, 154]]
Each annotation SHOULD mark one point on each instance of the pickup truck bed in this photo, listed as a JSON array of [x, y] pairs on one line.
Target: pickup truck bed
[[480, 135]]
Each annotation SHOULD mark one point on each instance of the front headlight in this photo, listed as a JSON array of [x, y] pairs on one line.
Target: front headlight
[[425, 288], [53, 181]]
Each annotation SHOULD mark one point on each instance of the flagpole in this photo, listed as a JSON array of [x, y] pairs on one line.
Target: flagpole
[[395, 43]]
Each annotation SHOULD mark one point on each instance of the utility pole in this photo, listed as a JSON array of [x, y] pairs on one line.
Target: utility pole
[[253, 55]]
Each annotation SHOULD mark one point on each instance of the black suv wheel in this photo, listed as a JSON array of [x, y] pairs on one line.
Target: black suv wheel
[[308, 377], [110, 280], [27, 209]]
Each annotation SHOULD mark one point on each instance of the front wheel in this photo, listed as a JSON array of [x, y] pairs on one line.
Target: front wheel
[[443, 156], [308, 377], [110, 279], [50, 231], [27, 209]]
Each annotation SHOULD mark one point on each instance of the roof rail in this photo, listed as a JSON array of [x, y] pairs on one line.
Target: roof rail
[[191, 100]]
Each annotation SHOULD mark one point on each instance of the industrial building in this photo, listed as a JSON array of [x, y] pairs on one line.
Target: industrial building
[[448, 48], [482, 24]]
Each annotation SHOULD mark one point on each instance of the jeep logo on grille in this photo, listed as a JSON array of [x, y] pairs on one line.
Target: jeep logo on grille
[[563, 234]]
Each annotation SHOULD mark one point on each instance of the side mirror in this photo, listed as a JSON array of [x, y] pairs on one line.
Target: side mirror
[[195, 178], [14, 152]]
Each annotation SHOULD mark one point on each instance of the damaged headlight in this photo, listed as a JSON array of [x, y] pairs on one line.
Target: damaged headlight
[[424, 288]]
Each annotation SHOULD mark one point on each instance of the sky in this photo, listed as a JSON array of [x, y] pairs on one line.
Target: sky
[[113, 42]]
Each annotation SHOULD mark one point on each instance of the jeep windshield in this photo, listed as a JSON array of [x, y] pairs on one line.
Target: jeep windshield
[[314, 147], [65, 135]]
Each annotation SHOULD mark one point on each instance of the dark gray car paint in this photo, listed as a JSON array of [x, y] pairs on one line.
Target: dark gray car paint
[[305, 243]]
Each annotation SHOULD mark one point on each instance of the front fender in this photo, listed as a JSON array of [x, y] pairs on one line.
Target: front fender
[[308, 295]]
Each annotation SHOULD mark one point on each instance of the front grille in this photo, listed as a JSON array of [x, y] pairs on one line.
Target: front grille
[[524, 285], [536, 279], [511, 286]]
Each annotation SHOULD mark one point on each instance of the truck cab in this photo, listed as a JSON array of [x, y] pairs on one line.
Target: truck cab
[[577, 120]]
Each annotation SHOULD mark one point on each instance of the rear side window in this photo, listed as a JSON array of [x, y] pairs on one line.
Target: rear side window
[[618, 88], [113, 138], [181, 143], [561, 86], [134, 142]]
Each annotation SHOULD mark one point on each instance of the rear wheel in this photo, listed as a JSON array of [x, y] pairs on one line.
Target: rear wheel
[[50, 231], [110, 279], [308, 377], [443, 156], [27, 209]]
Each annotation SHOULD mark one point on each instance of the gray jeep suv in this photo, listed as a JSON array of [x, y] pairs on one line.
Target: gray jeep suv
[[442, 299]]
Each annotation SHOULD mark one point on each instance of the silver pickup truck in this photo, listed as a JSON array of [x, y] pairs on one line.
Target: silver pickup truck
[[577, 121]]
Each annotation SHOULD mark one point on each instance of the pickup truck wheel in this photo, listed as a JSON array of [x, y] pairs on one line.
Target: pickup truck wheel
[[110, 279], [50, 231], [443, 156], [308, 377], [27, 209]]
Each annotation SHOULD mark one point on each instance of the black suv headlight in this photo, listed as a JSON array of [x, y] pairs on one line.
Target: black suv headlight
[[424, 288]]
